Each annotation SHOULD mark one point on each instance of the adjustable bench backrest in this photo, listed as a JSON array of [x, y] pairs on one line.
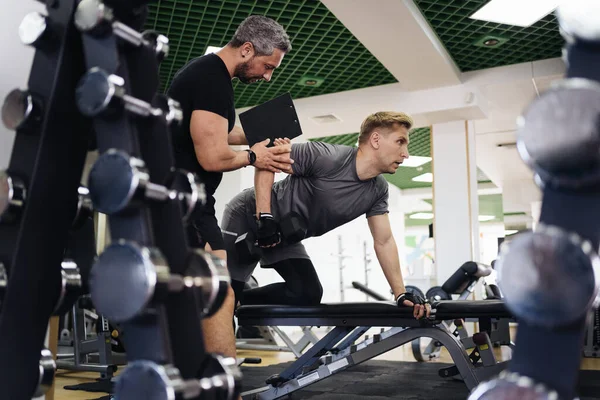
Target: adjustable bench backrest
[[465, 276]]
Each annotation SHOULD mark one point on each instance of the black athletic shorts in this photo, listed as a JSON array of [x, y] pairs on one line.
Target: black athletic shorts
[[205, 229]]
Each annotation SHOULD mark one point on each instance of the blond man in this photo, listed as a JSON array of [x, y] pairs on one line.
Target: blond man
[[330, 185]]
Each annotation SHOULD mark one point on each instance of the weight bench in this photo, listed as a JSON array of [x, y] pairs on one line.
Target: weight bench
[[337, 350]]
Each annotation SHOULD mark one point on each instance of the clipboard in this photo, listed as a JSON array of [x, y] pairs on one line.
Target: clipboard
[[276, 118]]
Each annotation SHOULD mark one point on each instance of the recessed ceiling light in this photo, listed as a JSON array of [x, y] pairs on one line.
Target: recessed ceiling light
[[421, 215], [483, 218], [415, 161], [428, 177], [516, 12]]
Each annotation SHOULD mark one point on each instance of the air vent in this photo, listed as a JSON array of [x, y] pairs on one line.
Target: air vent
[[507, 145], [326, 119]]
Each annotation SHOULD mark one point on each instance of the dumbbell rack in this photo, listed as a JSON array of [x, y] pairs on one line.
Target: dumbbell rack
[[42, 179]]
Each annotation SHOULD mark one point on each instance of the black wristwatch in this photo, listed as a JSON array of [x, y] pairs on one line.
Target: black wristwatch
[[251, 157]]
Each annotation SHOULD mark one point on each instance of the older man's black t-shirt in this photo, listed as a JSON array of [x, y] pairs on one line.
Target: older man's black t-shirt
[[202, 84]]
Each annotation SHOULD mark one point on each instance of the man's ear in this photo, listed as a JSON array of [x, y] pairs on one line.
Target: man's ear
[[247, 49], [375, 139]]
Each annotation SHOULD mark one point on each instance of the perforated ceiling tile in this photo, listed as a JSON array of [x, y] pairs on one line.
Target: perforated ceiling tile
[[321, 46], [450, 21]]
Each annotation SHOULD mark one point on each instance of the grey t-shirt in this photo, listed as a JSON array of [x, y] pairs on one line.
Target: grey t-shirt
[[324, 189]]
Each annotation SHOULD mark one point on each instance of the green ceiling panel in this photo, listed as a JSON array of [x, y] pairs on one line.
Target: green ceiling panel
[[322, 46], [450, 21]]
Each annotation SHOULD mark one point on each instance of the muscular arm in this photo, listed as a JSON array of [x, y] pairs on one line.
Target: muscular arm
[[209, 134], [237, 136], [387, 252], [263, 184]]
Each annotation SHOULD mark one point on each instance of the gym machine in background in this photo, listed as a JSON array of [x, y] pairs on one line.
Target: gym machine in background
[[550, 277], [93, 85]]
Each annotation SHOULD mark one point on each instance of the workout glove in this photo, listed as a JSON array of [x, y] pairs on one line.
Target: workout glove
[[414, 298], [268, 231]]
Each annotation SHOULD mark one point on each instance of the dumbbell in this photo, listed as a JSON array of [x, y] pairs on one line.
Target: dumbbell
[[127, 279], [85, 208], [563, 161], [3, 282], [47, 369], [21, 110], [97, 19], [147, 380], [71, 287], [293, 228], [99, 93], [118, 182], [12, 197]]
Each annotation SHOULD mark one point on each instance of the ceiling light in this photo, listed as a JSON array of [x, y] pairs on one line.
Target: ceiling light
[[428, 177], [212, 49], [516, 12], [421, 215], [415, 161], [483, 218], [510, 232]]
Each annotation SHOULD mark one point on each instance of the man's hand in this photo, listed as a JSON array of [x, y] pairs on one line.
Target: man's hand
[[281, 142], [420, 307], [268, 231], [274, 159]]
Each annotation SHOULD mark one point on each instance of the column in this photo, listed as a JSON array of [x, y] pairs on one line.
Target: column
[[455, 200]]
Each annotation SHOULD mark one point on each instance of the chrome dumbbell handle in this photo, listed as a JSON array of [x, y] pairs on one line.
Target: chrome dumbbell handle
[[100, 93], [94, 17], [127, 279], [12, 197]]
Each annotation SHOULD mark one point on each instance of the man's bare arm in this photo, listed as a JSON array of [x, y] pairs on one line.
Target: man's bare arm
[[209, 134], [263, 185], [237, 137], [386, 251]]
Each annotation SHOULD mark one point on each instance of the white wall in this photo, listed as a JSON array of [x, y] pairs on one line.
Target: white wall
[[14, 69]]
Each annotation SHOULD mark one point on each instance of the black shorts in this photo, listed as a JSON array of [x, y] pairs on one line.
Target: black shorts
[[205, 229]]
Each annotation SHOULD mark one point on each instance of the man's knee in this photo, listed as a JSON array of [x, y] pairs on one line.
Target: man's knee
[[314, 294]]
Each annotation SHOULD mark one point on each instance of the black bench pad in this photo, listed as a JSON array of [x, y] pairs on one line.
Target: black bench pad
[[383, 310]]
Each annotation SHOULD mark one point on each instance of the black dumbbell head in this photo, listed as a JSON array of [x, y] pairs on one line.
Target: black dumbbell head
[[293, 228], [20, 110], [124, 279], [213, 275], [535, 267], [559, 135], [47, 369], [12, 197], [71, 287], [147, 380], [114, 180], [96, 90]]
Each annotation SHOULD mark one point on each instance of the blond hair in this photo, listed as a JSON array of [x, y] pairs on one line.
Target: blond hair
[[385, 120]]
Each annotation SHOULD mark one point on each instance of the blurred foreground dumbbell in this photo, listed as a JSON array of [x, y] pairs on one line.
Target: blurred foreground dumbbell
[[46, 373], [291, 226], [100, 94], [128, 279], [97, 19], [118, 182], [149, 381]]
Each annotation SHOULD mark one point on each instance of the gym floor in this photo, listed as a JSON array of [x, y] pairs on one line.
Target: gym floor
[[403, 353]]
